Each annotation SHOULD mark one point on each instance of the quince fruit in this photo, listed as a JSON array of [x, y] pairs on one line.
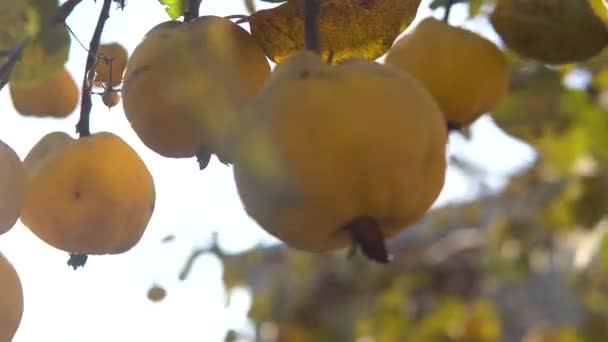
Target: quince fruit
[[186, 85], [92, 195], [11, 300], [12, 180], [353, 153], [56, 97], [466, 73]]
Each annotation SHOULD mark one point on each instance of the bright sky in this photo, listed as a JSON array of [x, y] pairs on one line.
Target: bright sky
[[106, 300]]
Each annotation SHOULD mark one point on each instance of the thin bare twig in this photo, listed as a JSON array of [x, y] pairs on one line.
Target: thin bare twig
[[82, 127], [241, 18], [193, 10], [312, 39]]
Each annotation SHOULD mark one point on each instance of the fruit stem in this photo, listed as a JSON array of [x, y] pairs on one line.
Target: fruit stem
[[312, 39], [193, 10], [82, 127], [448, 8], [365, 232], [77, 260], [454, 127]]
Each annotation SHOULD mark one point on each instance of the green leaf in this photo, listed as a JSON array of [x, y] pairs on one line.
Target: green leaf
[[175, 8]]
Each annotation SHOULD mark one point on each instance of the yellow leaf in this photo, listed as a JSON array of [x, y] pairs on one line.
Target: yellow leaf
[[349, 28]]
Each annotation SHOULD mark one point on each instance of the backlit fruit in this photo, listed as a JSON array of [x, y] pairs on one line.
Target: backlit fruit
[[56, 97], [552, 32], [111, 64], [466, 74], [156, 293], [11, 187], [92, 195], [110, 98], [354, 151], [185, 84], [11, 300]]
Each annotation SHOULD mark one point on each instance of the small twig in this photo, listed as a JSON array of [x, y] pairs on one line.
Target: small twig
[[213, 249], [448, 9], [312, 39], [193, 10], [241, 18], [82, 127]]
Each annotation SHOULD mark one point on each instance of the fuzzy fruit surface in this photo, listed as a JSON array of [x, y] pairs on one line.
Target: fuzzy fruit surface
[[466, 73], [11, 300], [56, 97], [185, 84], [92, 195], [358, 139], [12, 179]]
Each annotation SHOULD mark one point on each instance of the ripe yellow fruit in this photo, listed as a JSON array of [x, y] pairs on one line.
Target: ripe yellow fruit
[[56, 97], [11, 300], [110, 98], [356, 144], [111, 64], [185, 84], [92, 195], [12, 178], [466, 73], [552, 32]]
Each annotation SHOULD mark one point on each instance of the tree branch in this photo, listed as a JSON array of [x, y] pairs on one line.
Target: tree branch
[[82, 127], [312, 39], [66, 9], [193, 10]]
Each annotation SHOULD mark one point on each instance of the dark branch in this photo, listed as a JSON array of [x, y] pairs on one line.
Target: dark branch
[[193, 10], [312, 39], [66, 9], [82, 127], [448, 9]]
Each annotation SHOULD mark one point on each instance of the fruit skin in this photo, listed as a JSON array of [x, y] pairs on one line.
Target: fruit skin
[[93, 195], [354, 140], [185, 84], [552, 32], [11, 301], [56, 97], [466, 74], [110, 98], [119, 56], [12, 178]]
